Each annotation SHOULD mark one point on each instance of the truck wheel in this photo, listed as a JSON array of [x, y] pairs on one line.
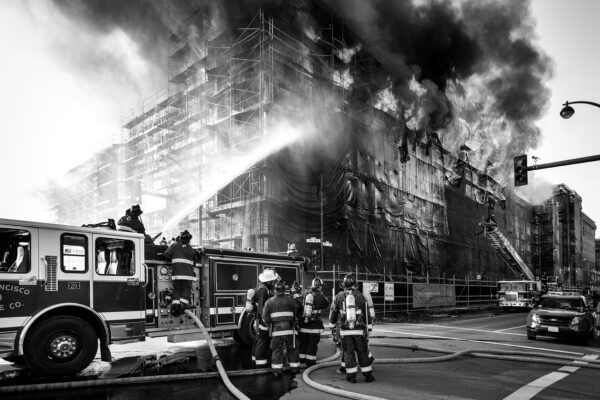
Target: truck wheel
[[60, 346], [246, 331]]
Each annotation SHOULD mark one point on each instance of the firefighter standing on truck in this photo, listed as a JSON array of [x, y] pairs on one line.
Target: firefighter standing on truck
[[311, 326], [183, 258], [260, 350], [349, 310], [279, 315]]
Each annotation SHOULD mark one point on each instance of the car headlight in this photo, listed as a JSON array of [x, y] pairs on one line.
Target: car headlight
[[576, 320], [534, 320]]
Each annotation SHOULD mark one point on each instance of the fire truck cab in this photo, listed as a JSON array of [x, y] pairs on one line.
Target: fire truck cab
[[67, 291]]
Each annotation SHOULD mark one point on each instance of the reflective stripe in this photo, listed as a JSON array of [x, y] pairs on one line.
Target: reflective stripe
[[282, 314], [311, 357], [351, 332], [305, 330], [262, 327], [352, 370], [302, 355], [283, 333], [277, 366], [176, 302], [261, 362], [125, 228], [343, 364], [183, 278], [294, 364], [184, 301], [367, 369], [182, 261], [370, 326], [224, 310], [253, 357], [358, 312], [331, 326]]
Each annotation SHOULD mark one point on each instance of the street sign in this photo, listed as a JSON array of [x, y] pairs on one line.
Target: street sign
[[327, 244], [313, 240], [370, 287], [389, 291]]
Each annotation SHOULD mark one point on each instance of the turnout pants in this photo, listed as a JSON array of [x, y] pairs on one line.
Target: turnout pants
[[278, 344], [182, 292], [260, 350], [309, 340], [356, 346]]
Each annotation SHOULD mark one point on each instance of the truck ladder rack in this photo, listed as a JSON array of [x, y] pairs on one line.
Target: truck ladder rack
[[506, 250]]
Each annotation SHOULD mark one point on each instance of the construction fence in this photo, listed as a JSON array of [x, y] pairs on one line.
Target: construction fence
[[405, 294]]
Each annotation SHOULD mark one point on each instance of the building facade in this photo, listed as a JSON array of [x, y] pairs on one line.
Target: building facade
[[335, 164]]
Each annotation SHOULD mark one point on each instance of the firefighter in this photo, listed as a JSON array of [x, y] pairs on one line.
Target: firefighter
[[311, 326], [279, 315], [183, 258], [131, 222], [262, 293], [349, 310]]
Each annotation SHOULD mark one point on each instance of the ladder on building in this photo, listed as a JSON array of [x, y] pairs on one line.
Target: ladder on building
[[506, 250]]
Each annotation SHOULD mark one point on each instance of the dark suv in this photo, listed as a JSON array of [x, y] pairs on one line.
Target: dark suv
[[561, 315]]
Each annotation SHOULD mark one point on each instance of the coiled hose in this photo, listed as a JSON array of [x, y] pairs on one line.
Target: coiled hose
[[544, 358]]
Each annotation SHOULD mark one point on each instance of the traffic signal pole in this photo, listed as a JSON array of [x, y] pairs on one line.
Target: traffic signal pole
[[564, 162]]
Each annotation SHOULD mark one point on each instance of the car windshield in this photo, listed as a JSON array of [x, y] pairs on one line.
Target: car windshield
[[563, 304]]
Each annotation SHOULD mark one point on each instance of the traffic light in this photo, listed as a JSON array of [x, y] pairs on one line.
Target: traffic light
[[315, 258], [521, 170]]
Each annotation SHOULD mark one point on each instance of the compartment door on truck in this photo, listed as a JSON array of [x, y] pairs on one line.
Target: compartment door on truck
[[118, 285], [19, 280]]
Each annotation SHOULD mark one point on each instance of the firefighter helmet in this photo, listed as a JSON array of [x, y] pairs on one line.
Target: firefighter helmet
[[185, 236], [268, 275], [349, 281], [136, 210], [317, 283], [279, 287]]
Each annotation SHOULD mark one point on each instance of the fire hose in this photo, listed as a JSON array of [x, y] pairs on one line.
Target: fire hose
[[540, 357], [155, 378]]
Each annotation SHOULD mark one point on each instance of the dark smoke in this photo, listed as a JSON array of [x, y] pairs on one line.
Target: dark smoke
[[444, 41], [440, 44]]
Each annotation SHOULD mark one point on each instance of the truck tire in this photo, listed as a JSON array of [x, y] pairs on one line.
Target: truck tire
[[60, 346], [246, 332]]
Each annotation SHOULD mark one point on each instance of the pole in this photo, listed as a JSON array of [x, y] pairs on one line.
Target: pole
[[564, 162], [322, 257]]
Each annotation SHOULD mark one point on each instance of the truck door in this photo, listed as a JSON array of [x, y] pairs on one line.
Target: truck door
[[118, 285], [19, 277]]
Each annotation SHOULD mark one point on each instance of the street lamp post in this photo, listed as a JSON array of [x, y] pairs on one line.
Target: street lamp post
[[568, 111]]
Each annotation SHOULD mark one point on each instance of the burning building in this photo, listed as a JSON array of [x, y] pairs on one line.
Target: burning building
[[386, 138]]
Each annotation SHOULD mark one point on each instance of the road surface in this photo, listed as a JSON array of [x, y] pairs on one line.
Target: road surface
[[463, 377]]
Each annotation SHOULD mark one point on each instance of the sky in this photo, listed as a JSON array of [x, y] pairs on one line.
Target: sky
[[61, 99]]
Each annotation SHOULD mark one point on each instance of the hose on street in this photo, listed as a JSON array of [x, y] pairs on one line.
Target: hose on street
[[230, 386], [138, 380], [536, 357]]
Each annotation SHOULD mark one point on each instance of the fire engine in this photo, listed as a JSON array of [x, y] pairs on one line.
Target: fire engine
[[66, 291]]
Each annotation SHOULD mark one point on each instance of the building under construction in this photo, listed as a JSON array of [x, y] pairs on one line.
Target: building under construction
[[390, 200]]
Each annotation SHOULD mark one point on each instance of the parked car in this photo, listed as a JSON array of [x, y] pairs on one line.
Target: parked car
[[567, 316]]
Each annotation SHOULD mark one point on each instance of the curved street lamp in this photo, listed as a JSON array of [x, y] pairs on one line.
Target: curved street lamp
[[568, 111]]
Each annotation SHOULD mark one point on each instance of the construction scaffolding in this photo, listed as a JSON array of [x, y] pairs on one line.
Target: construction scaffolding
[[389, 198]]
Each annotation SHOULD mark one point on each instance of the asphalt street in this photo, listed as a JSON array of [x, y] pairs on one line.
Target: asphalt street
[[414, 373]]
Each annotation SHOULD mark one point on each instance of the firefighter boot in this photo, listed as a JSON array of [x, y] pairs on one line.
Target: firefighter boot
[[351, 378], [369, 377]]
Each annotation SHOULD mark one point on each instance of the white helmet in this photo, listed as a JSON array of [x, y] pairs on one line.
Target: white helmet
[[267, 275]]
